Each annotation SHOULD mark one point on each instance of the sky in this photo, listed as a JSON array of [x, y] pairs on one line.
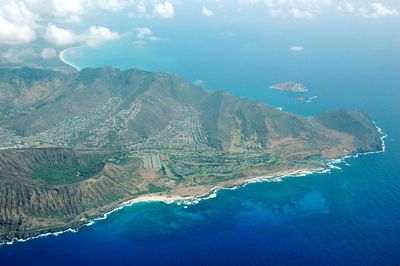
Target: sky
[[42, 28]]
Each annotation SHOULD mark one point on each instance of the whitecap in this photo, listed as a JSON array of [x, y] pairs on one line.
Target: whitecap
[[214, 191]]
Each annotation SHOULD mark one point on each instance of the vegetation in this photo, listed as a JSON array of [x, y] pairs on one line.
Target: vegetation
[[67, 173], [215, 163], [155, 189], [143, 133]]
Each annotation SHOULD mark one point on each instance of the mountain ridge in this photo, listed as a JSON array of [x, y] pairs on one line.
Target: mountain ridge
[[100, 137]]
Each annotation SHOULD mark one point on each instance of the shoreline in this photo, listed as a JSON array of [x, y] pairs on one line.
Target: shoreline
[[179, 200], [61, 56], [213, 192]]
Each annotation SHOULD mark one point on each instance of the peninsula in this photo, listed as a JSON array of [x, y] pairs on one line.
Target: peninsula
[[76, 145]]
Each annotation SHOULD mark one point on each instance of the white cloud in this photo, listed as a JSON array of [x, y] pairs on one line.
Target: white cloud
[[143, 35], [22, 21], [296, 48], [345, 7], [66, 8], [294, 8], [72, 10], [164, 10], [98, 35], [277, 13], [153, 38], [253, 2], [141, 8], [95, 36], [73, 19], [59, 36], [207, 12], [113, 5], [377, 10], [295, 12], [11, 33], [13, 55], [199, 82], [144, 32], [48, 53], [17, 23]]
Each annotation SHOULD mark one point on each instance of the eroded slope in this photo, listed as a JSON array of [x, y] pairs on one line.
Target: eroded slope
[[77, 145]]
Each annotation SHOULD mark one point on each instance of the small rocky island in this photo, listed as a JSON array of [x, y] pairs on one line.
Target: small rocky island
[[306, 99], [290, 86], [76, 145]]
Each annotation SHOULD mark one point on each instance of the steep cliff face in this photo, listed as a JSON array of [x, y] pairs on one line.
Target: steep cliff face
[[127, 107], [355, 123], [329, 134], [31, 206], [74, 145]]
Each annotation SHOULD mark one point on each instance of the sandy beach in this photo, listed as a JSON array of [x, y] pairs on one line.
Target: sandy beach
[[62, 56], [234, 185], [212, 192], [169, 199]]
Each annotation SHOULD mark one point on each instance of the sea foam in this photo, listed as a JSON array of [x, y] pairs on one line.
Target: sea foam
[[331, 165]]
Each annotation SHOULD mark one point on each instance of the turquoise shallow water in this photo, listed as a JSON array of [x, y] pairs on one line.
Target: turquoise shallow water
[[347, 217]]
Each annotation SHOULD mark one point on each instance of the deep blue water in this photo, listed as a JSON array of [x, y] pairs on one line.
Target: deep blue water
[[349, 216]]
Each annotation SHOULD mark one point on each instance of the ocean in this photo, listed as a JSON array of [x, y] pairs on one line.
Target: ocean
[[350, 216]]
